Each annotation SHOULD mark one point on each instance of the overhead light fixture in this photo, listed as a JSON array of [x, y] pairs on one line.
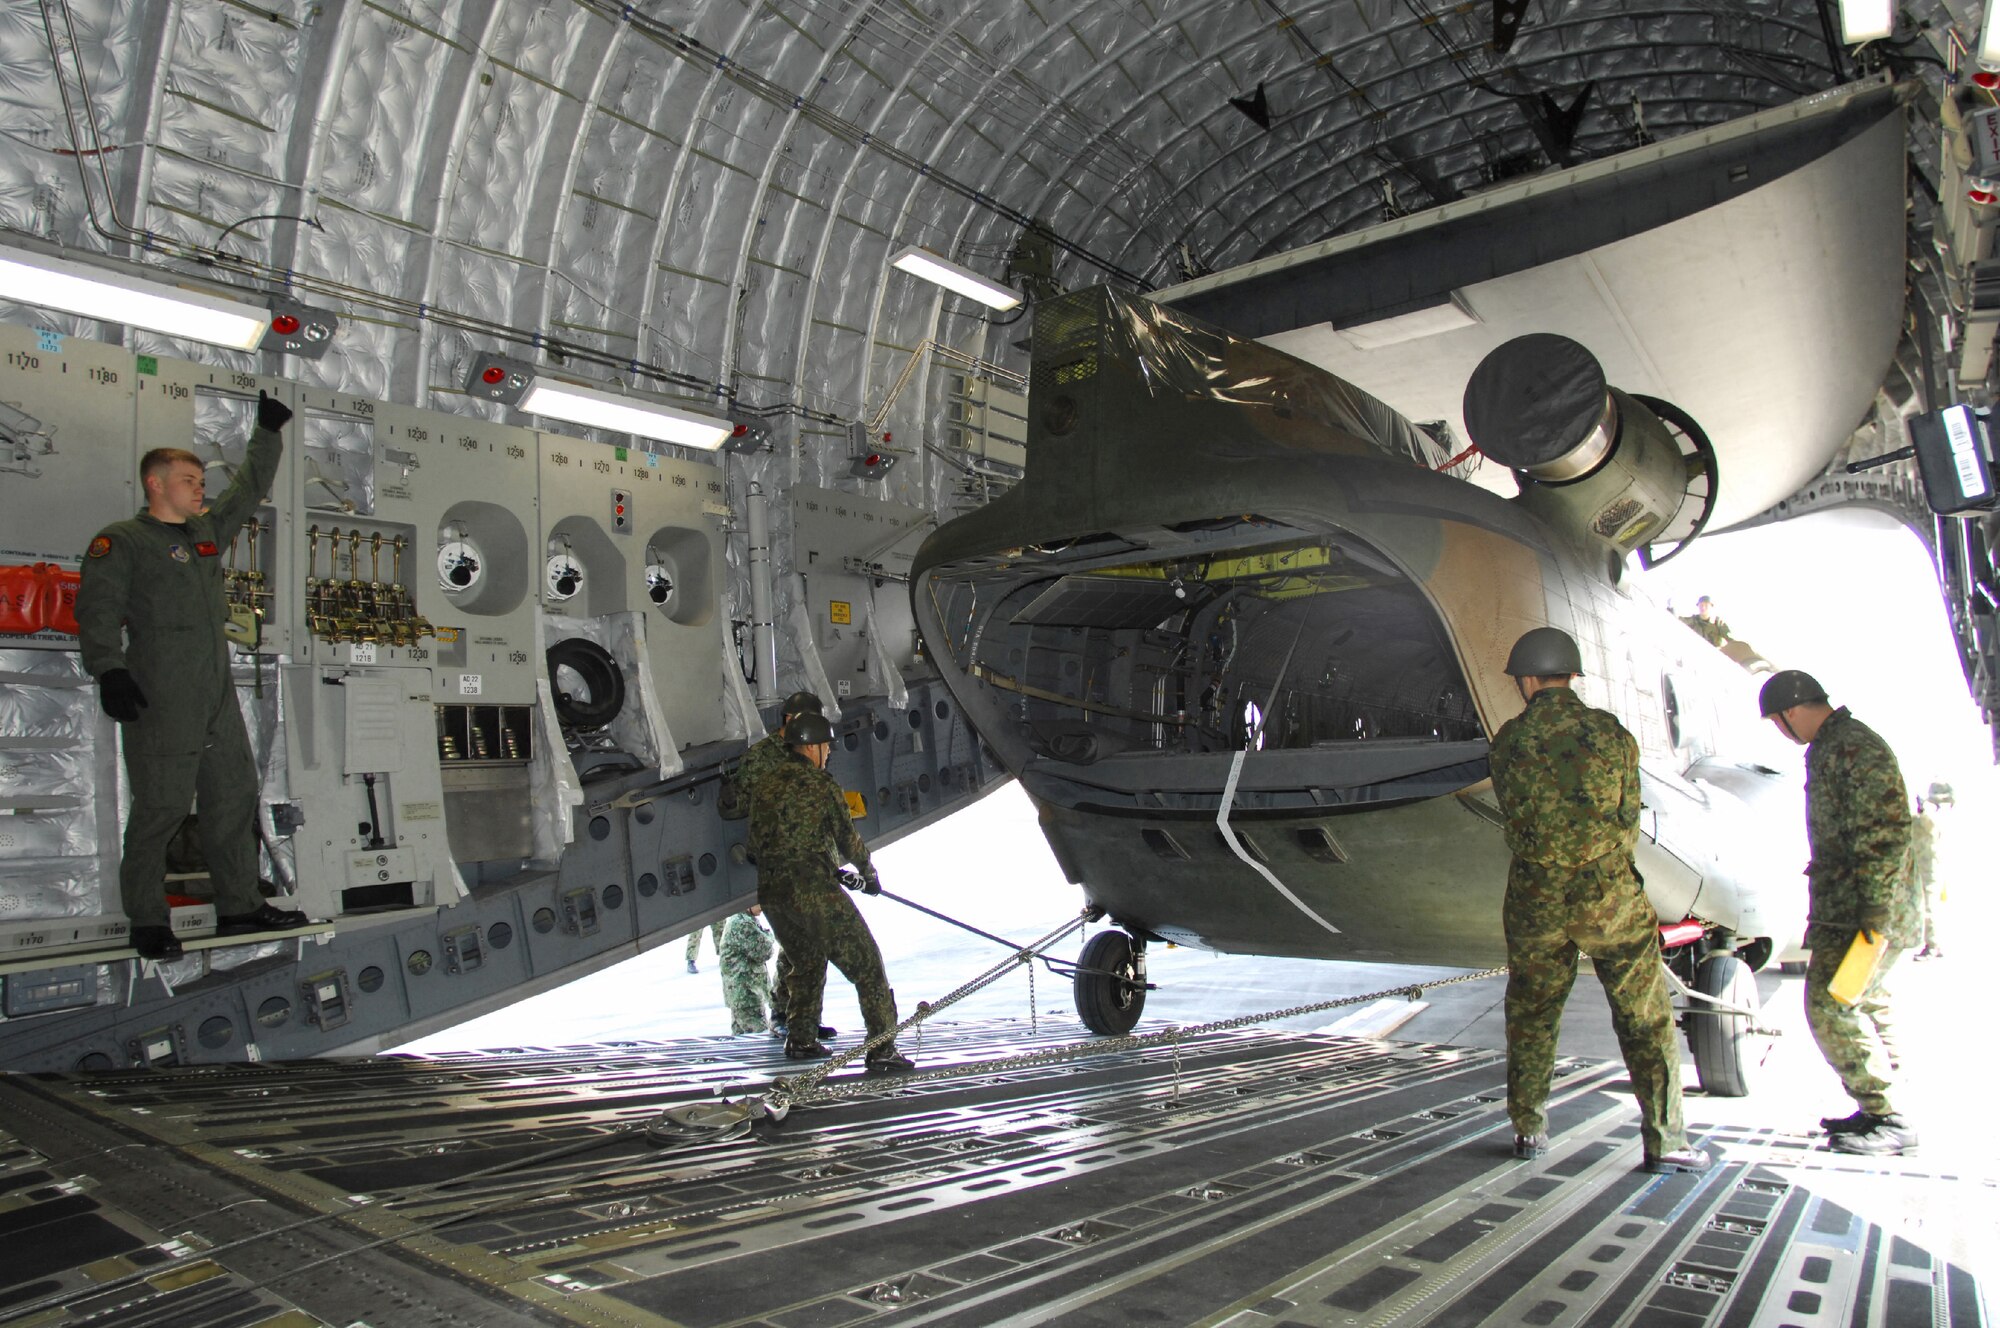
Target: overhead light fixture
[[511, 382], [646, 418], [299, 329], [1866, 20], [112, 296], [1989, 38], [964, 281]]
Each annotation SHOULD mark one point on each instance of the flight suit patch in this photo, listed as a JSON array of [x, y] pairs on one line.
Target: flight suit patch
[[206, 548], [177, 552], [100, 546]]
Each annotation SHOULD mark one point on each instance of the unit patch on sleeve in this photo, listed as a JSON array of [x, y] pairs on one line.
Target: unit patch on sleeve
[[177, 552], [100, 546]]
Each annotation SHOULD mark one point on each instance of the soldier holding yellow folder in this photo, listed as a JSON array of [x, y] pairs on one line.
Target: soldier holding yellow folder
[[1863, 898]]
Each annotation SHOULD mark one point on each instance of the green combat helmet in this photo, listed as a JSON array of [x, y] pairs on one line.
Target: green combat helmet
[[804, 703], [1789, 688], [808, 730], [1545, 652]]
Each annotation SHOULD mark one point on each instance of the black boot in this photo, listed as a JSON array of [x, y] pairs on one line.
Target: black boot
[[811, 1051], [1891, 1136], [156, 943], [265, 918], [1859, 1122]]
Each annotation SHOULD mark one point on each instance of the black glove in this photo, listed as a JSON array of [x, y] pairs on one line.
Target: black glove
[[272, 413], [118, 692], [871, 884], [1873, 918]]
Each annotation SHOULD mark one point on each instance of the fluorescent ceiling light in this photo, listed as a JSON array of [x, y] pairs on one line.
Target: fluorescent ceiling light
[[1412, 326], [923, 263], [113, 297], [1866, 20], [623, 414], [1989, 36]]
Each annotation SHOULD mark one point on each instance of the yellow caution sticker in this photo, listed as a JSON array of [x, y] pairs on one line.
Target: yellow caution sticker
[[840, 611], [857, 806]]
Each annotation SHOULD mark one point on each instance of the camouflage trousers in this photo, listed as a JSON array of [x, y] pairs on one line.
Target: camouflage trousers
[[1859, 1040], [746, 990], [1552, 915], [781, 989], [817, 924], [694, 940]]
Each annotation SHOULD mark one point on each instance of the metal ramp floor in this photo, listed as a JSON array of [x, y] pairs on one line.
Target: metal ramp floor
[[1248, 1178]]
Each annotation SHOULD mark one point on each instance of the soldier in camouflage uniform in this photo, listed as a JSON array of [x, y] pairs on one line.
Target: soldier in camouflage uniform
[[1567, 777], [763, 756], [1926, 834], [150, 614], [694, 945], [745, 951], [1705, 621], [1858, 830], [800, 831]]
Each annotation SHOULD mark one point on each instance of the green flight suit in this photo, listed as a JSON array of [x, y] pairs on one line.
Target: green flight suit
[[151, 601], [1858, 827], [1567, 777], [800, 831]]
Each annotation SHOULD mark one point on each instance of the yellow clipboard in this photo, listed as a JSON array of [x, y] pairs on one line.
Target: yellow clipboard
[[1857, 969]]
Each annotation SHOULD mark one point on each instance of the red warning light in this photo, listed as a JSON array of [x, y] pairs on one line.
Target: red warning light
[[492, 376], [1986, 78], [885, 436], [619, 509], [1981, 196], [284, 325], [872, 459], [739, 431]]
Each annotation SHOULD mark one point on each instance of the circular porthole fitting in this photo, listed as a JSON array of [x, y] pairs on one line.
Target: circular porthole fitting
[[562, 577], [458, 566]]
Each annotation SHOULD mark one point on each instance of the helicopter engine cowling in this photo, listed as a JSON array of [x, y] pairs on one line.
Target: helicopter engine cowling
[[1590, 459]]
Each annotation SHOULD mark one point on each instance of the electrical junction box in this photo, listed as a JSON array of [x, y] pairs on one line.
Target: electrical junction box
[[1954, 458]]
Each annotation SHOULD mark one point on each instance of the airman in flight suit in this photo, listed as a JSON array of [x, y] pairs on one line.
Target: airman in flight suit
[[150, 613]]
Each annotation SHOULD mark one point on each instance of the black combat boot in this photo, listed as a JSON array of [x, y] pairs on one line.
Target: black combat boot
[[1859, 1122], [811, 1051], [887, 1060], [1890, 1136], [266, 918], [156, 943]]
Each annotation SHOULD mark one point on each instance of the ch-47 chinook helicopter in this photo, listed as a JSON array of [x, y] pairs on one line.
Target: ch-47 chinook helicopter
[[1244, 648]]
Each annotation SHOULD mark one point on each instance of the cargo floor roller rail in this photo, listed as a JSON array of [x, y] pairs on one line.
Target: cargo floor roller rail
[[1231, 1175]]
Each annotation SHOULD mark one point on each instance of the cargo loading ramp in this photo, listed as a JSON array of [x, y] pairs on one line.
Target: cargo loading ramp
[[1244, 1177]]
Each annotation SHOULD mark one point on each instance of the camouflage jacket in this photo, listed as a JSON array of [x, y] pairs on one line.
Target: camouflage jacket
[[1923, 850], [1712, 630], [764, 754], [798, 817], [1858, 826], [746, 946], [1567, 776]]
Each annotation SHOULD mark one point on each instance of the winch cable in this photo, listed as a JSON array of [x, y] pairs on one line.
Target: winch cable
[[795, 1089], [809, 1090], [1060, 967]]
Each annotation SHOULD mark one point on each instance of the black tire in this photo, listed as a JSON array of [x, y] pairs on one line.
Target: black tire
[[1721, 1042], [1109, 1004], [593, 692]]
